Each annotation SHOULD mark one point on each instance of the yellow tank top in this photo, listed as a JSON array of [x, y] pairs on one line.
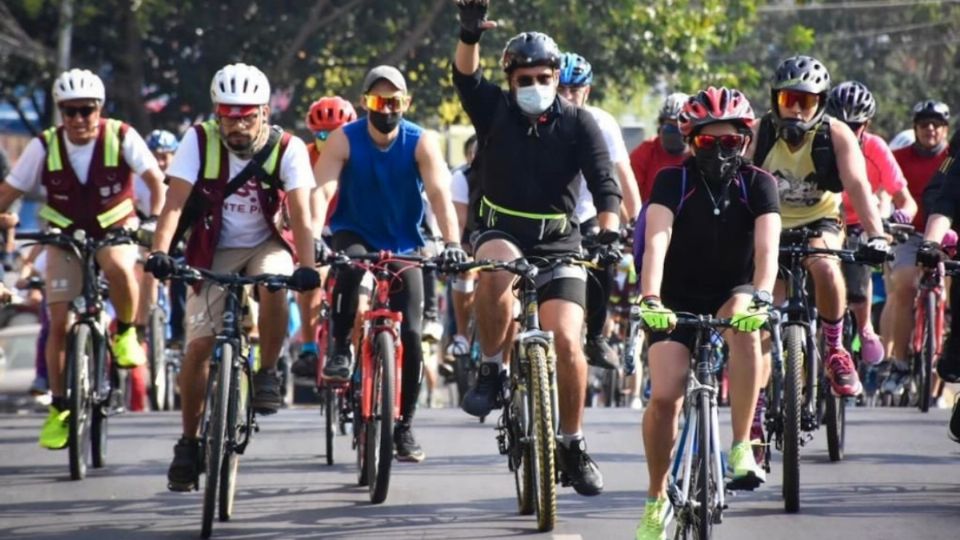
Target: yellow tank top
[[801, 201]]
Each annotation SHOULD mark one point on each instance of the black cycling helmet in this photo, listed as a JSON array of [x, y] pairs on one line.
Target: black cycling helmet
[[930, 108], [529, 49], [803, 74], [852, 102]]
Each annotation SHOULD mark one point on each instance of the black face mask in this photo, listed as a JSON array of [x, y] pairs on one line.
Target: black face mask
[[718, 165], [384, 122], [792, 130], [672, 140]]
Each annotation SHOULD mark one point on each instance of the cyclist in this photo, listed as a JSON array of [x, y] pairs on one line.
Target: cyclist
[[852, 103], [85, 164], [382, 163], [462, 285], [576, 76], [919, 162], [814, 158], [666, 149], [236, 233], [728, 210], [324, 116], [533, 147]]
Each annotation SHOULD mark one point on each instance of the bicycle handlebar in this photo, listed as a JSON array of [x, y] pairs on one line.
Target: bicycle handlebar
[[341, 259], [521, 267], [273, 282], [79, 240]]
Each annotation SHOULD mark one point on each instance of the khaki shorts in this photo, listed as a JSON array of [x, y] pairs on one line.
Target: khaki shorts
[[65, 270], [205, 309]]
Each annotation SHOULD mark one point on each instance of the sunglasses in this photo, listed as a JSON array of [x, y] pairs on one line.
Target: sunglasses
[[930, 123], [321, 135], [543, 79], [788, 98], [395, 103], [71, 112], [733, 141]]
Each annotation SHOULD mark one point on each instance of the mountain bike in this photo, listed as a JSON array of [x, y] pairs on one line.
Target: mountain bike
[[334, 395], [228, 419], [93, 381], [928, 330]]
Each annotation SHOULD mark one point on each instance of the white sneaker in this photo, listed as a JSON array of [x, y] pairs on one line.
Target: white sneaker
[[636, 404], [432, 331]]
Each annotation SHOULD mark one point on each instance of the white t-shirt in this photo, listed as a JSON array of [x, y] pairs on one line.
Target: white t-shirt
[[141, 195], [243, 223], [459, 189], [25, 176], [617, 148]]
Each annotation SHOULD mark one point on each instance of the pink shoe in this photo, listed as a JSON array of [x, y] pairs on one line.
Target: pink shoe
[[871, 349], [842, 374]]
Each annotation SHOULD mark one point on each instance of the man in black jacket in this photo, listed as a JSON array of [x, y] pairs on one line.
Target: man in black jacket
[[532, 145]]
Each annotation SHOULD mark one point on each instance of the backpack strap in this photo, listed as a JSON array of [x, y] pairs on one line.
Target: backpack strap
[[766, 137], [825, 159]]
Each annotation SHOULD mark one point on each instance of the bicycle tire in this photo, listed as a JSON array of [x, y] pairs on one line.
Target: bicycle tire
[[705, 484], [379, 458], [101, 379], [544, 438], [929, 350], [156, 359], [836, 415], [794, 341], [215, 433], [461, 368], [359, 437], [237, 411], [329, 409], [79, 399], [170, 402], [520, 451], [611, 385]]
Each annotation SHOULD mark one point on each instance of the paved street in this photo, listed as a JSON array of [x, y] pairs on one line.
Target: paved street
[[901, 479]]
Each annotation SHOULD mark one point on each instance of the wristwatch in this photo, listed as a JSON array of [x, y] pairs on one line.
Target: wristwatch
[[763, 297]]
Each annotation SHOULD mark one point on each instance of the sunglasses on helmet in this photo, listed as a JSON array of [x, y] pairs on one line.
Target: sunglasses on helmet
[[731, 141], [788, 98], [386, 104]]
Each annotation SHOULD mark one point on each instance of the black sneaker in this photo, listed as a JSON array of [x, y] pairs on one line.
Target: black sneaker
[[339, 366], [484, 396], [184, 471], [948, 366], [266, 392], [406, 445], [305, 365], [954, 431], [578, 469], [600, 354]]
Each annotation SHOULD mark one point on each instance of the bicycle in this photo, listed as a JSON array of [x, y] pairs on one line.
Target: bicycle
[[228, 420], [334, 395], [528, 425], [375, 387], [927, 337], [798, 395], [163, 372], [93, 389]]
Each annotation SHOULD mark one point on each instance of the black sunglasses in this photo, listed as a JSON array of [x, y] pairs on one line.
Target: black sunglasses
[[84, 111], [529, 80]]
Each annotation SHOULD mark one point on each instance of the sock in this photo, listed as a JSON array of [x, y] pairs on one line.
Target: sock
[[59, 403], [567, 439], [123, 326], [867, 329], [497, 358], [832, 333], [309, 347]]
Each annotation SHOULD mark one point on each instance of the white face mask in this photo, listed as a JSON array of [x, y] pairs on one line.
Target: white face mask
[[535, 99]]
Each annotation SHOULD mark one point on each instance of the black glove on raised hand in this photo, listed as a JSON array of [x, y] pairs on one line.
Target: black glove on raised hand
[[473, 13], [305, 279], [160, 265], [930, 254]]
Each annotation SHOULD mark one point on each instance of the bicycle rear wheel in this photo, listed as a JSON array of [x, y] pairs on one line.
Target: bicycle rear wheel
[[329, 410], [214, 436], [237, 415], [544, 439], [359, 436], [156, 358], [929, 349], [835, 419], [792, 398], [379, 454], [79, 399]]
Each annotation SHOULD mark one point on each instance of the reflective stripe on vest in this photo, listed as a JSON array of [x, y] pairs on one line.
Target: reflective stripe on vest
[[55, 217], [106, 219], [111, 144], [211, 168], [53, 150]]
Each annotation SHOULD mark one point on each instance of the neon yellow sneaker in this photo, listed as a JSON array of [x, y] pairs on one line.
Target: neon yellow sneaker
[[55, 432], [654, 523], [127, 349], [743, 469]]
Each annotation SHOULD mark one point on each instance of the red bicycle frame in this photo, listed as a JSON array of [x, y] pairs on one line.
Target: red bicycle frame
[[931, 281], [380, 318]]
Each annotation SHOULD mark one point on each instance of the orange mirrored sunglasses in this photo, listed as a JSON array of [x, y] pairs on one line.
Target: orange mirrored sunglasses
[[788, 98], [385, 104]]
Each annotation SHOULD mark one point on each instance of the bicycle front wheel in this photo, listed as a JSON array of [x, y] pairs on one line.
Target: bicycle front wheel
[[215, 413], [379, 456], [544, 438], [156, 358], [79, 398], [329, 410], [793, 349], [706, 485], [521, 451], [238, 410], [929, 349]]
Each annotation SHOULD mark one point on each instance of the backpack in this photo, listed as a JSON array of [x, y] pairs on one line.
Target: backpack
[[824, 158], [640, 230]]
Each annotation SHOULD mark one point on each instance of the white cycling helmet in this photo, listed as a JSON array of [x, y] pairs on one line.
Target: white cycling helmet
[[78, 84], [240, 84], [903, 139], [672, 105]]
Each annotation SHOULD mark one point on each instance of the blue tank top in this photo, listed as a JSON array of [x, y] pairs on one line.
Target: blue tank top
[[380, 190]]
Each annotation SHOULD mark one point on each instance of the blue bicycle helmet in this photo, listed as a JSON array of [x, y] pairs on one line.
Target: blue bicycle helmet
[[575, 71], [160, 140]]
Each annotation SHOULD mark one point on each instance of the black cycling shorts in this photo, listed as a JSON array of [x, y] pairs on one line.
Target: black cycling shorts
[[857, 276], [687, 335], [827, 225]]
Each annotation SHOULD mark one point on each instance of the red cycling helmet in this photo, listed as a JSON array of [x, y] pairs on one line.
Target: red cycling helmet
[[715, 105], [329, 113]]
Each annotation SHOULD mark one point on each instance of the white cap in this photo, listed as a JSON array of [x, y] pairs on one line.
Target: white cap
[[240, 84], [78, 84]]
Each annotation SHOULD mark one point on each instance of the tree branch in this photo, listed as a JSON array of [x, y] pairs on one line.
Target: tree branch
[[413, 38], [309, 28]]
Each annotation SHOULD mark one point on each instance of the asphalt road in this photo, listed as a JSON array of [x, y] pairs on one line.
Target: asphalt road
[[900, 479]]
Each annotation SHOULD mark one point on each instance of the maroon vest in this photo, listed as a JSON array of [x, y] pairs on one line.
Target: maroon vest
[[107, 197], [205, 230]]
